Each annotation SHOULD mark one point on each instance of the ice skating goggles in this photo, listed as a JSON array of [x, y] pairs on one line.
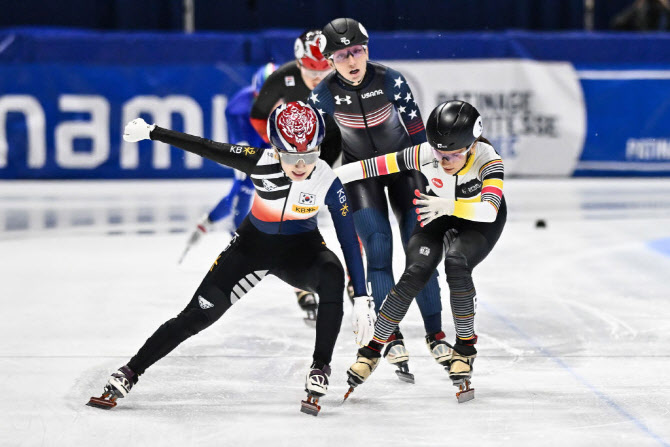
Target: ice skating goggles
[[293, 158], [342, 55], [451, 156]]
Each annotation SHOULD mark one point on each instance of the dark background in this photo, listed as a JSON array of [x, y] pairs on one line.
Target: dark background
[[252, 15]]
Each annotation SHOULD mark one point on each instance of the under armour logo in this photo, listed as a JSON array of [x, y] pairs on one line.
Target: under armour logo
[[339, 100], [345, 41]]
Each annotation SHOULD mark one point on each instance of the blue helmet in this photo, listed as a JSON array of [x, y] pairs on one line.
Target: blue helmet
[[296, 127], [261, 75]]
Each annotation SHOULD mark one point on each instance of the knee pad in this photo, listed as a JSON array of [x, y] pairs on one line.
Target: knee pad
[[207, 305], [375, 231], [413, 280], [456, 264]]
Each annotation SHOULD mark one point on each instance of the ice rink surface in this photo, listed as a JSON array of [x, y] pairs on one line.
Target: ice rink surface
[[573, 320]]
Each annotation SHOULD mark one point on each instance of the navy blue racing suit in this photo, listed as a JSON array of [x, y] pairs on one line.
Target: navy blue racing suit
[[376, 117]]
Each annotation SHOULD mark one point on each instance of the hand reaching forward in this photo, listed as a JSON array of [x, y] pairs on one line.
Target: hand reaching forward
[[137, 130], [430, 208]]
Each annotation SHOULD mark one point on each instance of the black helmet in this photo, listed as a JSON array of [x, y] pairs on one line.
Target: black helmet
[[453, 125], [343, 33]]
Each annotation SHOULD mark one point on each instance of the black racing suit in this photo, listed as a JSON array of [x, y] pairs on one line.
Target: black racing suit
[[278, 237], [286, 85], [377, 117]]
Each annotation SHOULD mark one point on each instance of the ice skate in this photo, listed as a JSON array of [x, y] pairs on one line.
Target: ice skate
[[316, 386], [118, 386], [203, 226], [366, 362], [460, 369], [439, 349], [398, 356], [307, 302]]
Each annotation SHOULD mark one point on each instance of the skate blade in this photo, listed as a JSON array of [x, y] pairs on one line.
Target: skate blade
[[348, 393], [310, 406], [102, 403], [465, 396], [405, 376]]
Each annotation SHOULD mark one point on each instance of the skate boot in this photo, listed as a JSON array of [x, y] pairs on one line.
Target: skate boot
[[316, 385], [439, 348], [397, 355], [307, 302], [366, 362], [118, 386], [460, 368]]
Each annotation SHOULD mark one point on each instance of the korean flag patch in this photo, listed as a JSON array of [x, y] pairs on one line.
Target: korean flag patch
[[307, 198]]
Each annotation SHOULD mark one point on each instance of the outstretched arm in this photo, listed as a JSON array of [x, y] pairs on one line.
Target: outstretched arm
[[404, 160], [242, 158]]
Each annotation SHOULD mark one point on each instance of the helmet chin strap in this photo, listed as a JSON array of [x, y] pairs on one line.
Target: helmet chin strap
[[348, 82]]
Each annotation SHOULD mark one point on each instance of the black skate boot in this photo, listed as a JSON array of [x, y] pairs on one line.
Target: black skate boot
[[307, 302], [440, 349], [460, 367], [366, 362], [118, 386], [316, 385], [397, 355]]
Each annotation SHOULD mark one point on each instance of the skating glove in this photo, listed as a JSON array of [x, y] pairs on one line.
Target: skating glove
[[137, 130], [363, 319], [430, 207]]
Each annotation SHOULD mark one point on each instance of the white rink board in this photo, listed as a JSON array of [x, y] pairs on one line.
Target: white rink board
[[574, 323]]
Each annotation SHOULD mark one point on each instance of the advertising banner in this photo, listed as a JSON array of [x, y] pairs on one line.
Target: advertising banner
[[66, 121], [533, 112], [65, 97]]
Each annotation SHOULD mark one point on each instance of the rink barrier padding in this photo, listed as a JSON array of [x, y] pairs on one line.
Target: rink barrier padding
[[555, 104]]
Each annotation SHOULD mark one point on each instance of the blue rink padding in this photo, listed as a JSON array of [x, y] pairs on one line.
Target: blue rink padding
[[585, 50], [625, 80], [627, 112]]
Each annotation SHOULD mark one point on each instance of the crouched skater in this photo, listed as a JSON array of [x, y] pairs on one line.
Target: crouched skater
[[279, 237], [460, 221]]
